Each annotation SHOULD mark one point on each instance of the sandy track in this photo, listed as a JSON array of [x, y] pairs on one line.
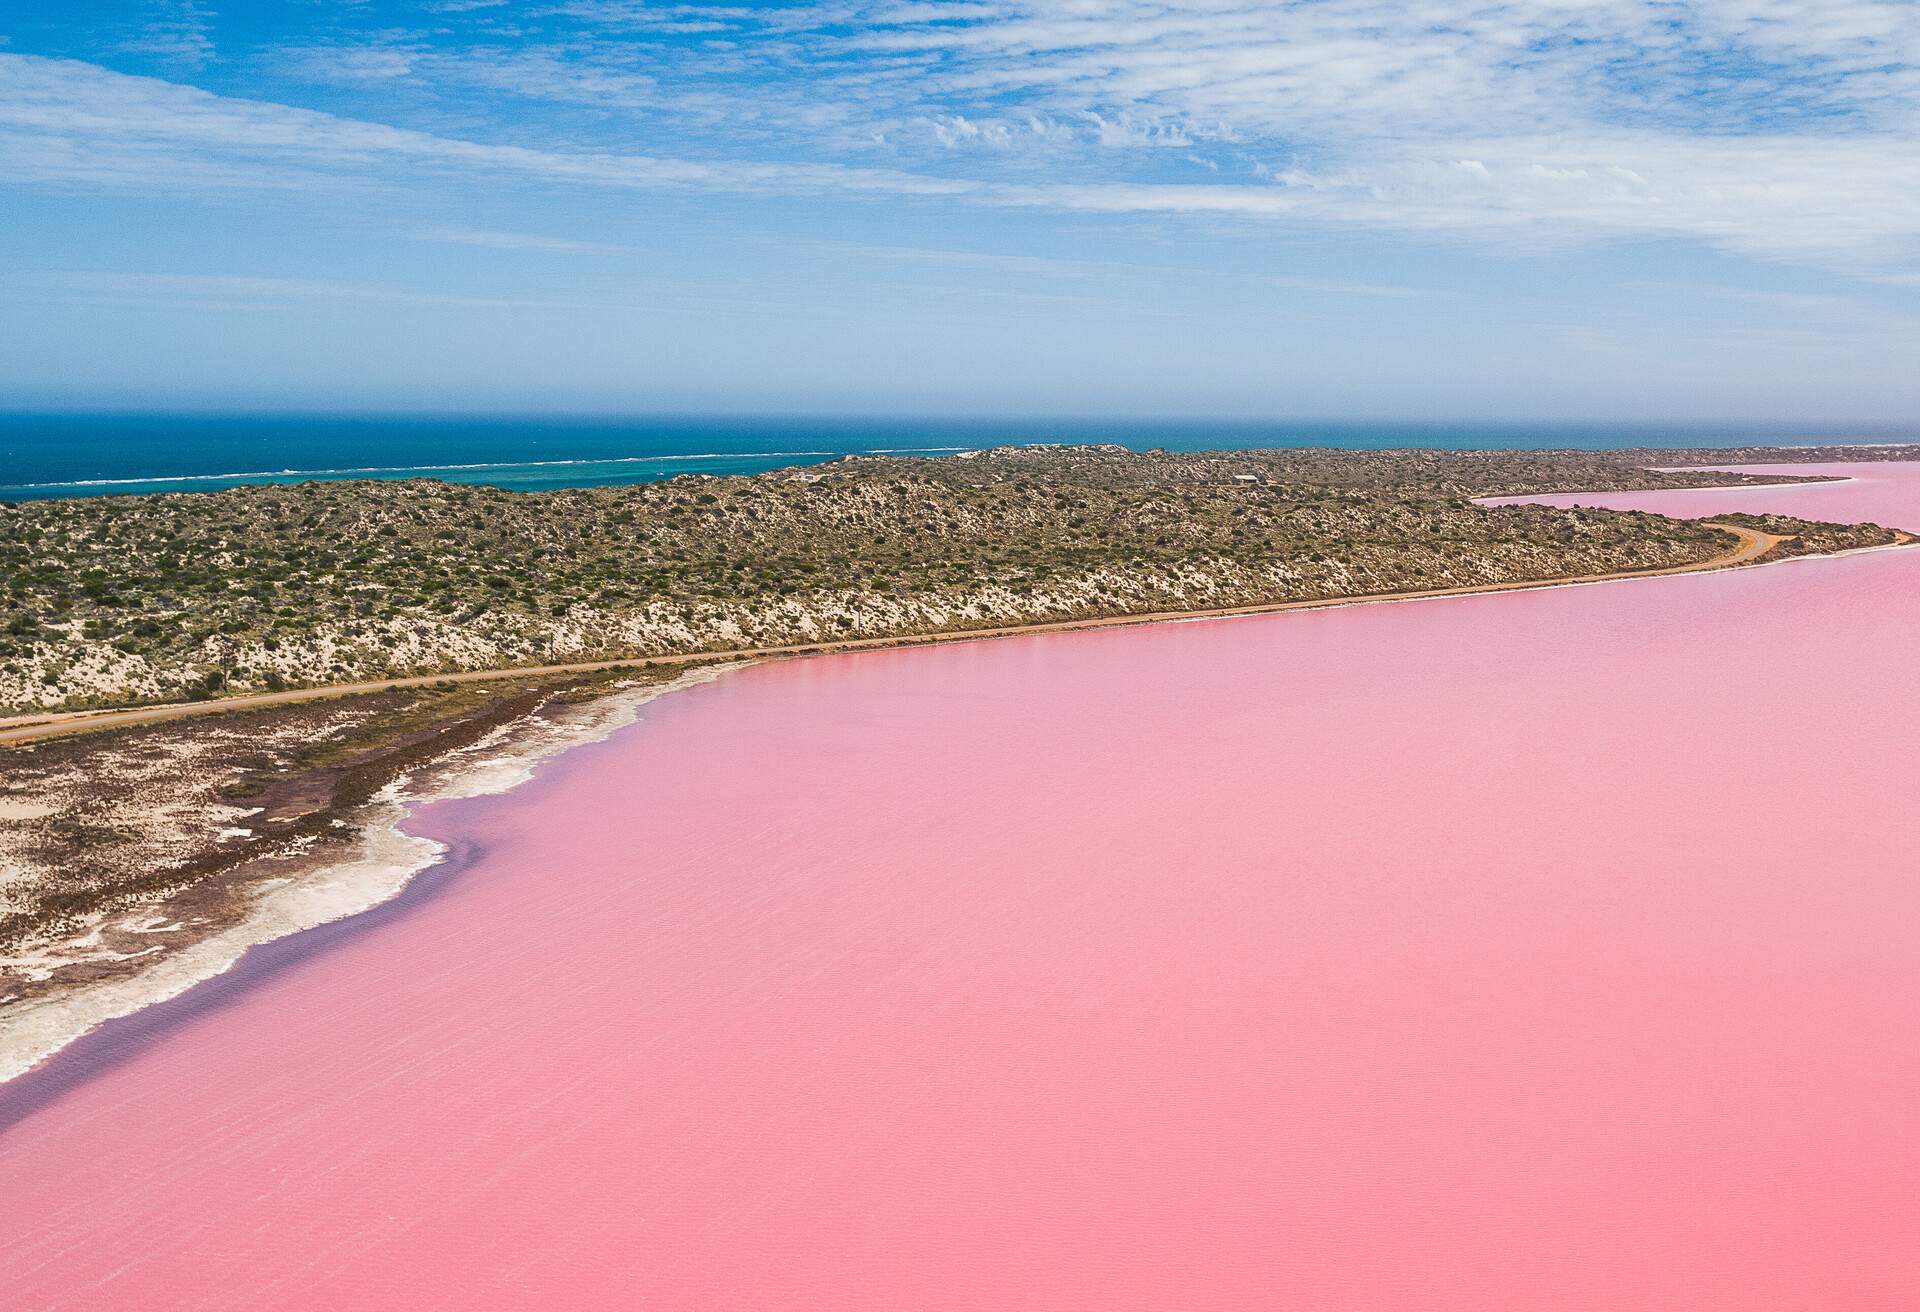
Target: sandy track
[[1752, 545]]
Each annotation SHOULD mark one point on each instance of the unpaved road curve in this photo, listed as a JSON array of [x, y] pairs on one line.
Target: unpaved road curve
[[1752, 545]]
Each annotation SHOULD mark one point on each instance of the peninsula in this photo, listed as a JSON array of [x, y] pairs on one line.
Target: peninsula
[[370, 641]]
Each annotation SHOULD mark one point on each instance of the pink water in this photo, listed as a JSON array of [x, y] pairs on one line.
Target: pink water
[[1555, 949], [1877, 493]]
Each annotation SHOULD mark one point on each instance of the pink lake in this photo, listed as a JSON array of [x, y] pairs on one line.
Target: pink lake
[[1886, 493], [1557, 949]]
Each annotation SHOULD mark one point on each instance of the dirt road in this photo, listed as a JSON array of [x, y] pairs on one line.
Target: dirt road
[[1751, 546]]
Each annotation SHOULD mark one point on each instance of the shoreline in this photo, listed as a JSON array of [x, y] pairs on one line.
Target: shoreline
[[32, 727], [389, 859], [386, 862]]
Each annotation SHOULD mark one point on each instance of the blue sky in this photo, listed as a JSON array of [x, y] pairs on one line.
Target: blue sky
[[1580, 208]]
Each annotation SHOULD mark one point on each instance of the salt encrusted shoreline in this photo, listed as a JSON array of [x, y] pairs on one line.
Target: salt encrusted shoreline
[[387, 859]]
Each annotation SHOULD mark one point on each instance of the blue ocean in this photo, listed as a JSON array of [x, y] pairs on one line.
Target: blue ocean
[[94, 455]]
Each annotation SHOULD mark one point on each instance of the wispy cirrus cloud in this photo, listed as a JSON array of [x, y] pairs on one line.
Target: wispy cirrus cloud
[[177, 31], [1034, 266], [1349, 68], [67, 121], [496, 240], [241, 291], [1785, 129]]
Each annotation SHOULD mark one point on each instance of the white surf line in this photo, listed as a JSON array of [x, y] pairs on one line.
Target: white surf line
[[412, 469], [468, 468], [386, 860]]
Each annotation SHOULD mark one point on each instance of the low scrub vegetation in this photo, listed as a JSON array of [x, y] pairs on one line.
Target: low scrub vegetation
[[109, 600]]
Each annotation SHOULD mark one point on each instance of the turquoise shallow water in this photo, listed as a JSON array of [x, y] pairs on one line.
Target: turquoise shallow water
[[92, 455]]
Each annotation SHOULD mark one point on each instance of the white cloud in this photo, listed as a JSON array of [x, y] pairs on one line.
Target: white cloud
[[1032, 266], [352, 65], [489, 239], [236, 291], [179, 31], [65, 121], [955, 130], [1392, 68], [1124, 130], [1785, 129]]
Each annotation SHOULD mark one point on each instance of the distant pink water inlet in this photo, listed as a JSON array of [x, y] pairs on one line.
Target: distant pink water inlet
[[1880, 493], [1557, 949]]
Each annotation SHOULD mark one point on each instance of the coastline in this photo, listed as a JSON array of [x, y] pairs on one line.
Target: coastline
[[386, 861], [770, 916], [35, 726]]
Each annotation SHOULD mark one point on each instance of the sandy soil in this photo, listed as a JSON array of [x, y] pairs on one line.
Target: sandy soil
[[305, 896]]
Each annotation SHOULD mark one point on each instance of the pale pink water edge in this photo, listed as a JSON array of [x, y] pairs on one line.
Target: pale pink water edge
[[1880, 493], [1555, 949]]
